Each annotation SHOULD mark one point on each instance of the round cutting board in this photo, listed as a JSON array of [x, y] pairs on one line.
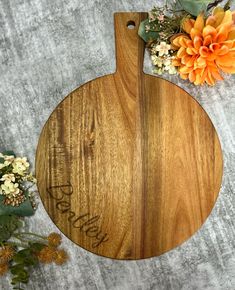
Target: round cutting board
[[129, 165]]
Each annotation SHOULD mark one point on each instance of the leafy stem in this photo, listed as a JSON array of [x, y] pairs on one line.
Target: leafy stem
[[18, 235], [16, 244]]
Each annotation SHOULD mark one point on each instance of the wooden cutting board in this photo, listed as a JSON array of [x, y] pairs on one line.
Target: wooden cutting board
[[129, 166]]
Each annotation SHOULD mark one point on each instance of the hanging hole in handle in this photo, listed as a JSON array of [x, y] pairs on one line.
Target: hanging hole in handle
[[130, 24]]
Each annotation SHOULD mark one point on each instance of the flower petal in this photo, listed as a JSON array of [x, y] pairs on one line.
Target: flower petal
[[217, 10], [201, 62], [231, 34], [225, 60], [223, 50], [187, 24], [227, 17], [197, 42], [227, 69], [223, 31], [209, 79], [198, 80], [229, 43], [214, 47], [199, 23], [218, 13], [191, 61], [175, 39], [176, 62], [181, 52], [233, 16], [211, 20], [207, 40], [184, 41], [204, 51], [192, 76], [204, 74], [209, 30], [185, 59], [184, 76], [195, 32], [191, 51], [217, 76], [185, 69]]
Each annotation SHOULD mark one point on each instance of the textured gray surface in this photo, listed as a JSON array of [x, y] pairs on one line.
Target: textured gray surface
[[48, 48]]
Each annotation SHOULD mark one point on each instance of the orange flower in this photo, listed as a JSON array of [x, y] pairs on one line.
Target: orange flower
[[61, 257], [6, 254], [47, 255], [3, 269], [210, 46], [54, 239]]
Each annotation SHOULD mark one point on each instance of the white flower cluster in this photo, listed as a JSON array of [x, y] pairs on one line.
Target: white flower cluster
[[162, 59], [13, 172]]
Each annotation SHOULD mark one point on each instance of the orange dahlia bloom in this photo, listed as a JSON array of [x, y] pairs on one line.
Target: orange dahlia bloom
[[207, 47]]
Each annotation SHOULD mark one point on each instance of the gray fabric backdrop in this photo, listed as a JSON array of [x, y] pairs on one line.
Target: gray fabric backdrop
[[48, 48]]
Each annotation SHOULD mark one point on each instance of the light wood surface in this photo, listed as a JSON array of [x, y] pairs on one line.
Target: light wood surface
[[129, 165]]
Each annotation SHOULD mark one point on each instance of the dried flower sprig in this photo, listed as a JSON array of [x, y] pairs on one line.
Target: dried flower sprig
[[20, 251]]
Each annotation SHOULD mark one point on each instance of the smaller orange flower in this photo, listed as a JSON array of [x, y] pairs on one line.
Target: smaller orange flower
[[3, 269], [6, 254], [47, 255], [54, 239], [61, 257]]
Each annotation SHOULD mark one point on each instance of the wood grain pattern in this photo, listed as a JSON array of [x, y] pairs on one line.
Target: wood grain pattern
[[129, 165]]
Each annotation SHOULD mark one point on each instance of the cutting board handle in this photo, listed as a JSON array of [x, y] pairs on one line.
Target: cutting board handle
[[129, 46]]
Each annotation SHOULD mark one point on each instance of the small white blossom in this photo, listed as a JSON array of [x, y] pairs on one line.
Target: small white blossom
[[158, 61], [158, 71], [20, 165], [8, 159], [9, 188], [161, 17], [8, 177], [163, 48], [152, 16], [2, 165], [30, 178], [167, 62], [172, 70], [147, 28]]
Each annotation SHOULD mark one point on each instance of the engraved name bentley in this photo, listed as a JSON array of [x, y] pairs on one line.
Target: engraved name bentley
[[85, 223]]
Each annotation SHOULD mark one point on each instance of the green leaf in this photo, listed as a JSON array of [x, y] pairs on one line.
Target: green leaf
[[9, 153], [194, 7], [147, 36], [2, 160], [36, 247], [8, 224], [25, 257], [24, 209], [15, 269], [227, 5], [20, 274]]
